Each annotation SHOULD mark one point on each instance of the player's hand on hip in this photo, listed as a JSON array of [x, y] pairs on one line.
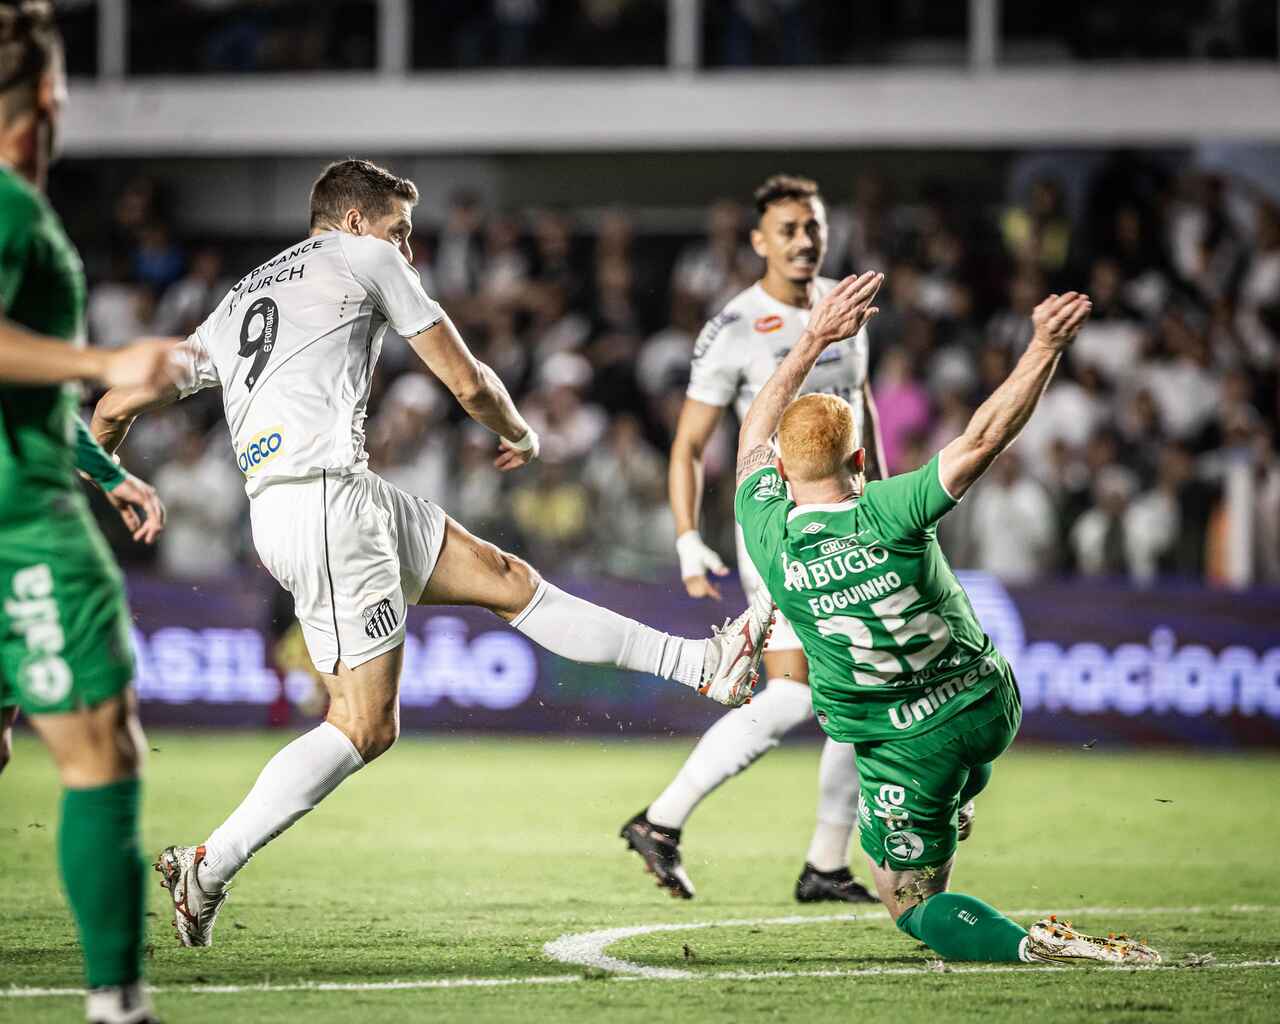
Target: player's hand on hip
[[514, 454], [144, 364], [845, 310], [133, 494], [1059, 318], [697, 560]]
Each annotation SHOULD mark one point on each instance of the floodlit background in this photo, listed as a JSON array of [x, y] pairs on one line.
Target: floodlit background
[[586, 169]]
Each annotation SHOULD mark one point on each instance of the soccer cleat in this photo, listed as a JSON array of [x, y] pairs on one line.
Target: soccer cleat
[[964, 821], [1058, 942], [659, 848], [119, 1004], [195, 908], [838, 886], [734, 652]]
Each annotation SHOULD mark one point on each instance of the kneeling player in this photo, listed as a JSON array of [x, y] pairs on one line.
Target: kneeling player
[[899, 665]]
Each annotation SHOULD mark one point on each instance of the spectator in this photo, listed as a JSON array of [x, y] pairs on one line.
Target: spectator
[[206, 504], [1100, 538], [1014, 524]]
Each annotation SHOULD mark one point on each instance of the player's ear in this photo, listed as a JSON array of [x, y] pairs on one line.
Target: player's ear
[[354, 223], [757, 243], [858, 461]]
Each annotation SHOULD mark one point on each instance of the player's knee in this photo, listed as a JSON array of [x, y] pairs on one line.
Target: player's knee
[[519, 582], [373, 739]]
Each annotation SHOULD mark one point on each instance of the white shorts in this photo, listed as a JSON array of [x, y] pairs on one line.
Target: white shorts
[[354, 551], [784, 634]]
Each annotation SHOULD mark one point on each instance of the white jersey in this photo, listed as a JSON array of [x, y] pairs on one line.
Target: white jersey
[[739, 348], [294, 344], [734, 357]]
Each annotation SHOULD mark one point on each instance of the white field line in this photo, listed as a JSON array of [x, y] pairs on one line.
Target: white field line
[[587, 949], [638, 972]]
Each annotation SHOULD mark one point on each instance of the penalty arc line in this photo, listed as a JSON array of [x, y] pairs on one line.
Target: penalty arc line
[[587, 949], [601, 939]]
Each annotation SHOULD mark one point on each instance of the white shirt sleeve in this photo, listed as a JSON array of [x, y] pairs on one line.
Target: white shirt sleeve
[[392, 284], [716, 372], [193, 368]]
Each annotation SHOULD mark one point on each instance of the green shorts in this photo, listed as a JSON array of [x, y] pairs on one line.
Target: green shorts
[[64, 624], [911, 788]]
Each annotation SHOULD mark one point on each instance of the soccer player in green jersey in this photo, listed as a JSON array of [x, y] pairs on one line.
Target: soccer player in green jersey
[[65, 655], [899, 665]]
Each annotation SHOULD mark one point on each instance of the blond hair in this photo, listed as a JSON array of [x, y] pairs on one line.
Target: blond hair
[[816, 437]]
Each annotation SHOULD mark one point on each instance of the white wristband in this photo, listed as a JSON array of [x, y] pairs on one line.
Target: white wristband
[[526, 443]]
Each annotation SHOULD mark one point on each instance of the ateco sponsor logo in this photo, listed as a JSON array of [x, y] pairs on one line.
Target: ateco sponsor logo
[[768, 324], [259, 449]]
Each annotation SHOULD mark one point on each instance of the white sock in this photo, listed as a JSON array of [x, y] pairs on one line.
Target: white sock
[[837, 807], [291, 784], [119, 1004], [730, 746], [581, 631]]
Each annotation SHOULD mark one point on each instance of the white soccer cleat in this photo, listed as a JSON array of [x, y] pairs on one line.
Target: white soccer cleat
[[734, 653], [1058, 942], [195, 908]]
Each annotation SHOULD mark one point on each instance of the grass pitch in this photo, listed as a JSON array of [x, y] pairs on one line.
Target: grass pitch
[[459, 858]]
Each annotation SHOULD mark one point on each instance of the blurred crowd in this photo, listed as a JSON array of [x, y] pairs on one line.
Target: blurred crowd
[[1153, 453]]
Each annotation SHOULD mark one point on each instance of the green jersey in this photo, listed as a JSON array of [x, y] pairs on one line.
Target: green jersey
[[893, 644], [43, 440]]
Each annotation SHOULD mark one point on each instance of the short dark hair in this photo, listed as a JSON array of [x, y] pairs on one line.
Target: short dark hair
[[781, 187], [358, 184], [28, 39]]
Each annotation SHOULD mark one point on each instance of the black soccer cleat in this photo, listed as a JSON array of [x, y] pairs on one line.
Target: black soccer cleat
[[839, 886], [659, 848]]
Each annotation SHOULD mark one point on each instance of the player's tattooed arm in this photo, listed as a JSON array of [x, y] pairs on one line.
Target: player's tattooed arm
[[842, 313], [757, 458], [999, 420]]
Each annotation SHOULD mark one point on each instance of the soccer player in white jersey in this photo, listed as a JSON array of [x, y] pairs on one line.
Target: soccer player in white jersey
[[734, 356], [293, 346]]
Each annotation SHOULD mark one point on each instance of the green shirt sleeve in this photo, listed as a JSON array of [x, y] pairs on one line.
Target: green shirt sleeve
[[761, 507], [909, 504], [94, 462]]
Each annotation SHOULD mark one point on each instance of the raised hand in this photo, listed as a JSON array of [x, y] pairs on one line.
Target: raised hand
[[845, 310], [1059, 318]]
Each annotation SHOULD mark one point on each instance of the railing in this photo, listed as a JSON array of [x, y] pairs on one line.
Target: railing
[[693, 35]]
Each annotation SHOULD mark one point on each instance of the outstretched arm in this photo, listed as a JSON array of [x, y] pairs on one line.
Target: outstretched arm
[[119, 407], [998, 421], [843, 312], [29, 358], [479, 390]]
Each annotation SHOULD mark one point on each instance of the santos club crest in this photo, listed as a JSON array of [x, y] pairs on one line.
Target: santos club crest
[[379, 620], [903, 845]]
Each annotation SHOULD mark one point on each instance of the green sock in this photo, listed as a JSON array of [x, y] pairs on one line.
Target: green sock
[[960, 927], [103, 873]]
